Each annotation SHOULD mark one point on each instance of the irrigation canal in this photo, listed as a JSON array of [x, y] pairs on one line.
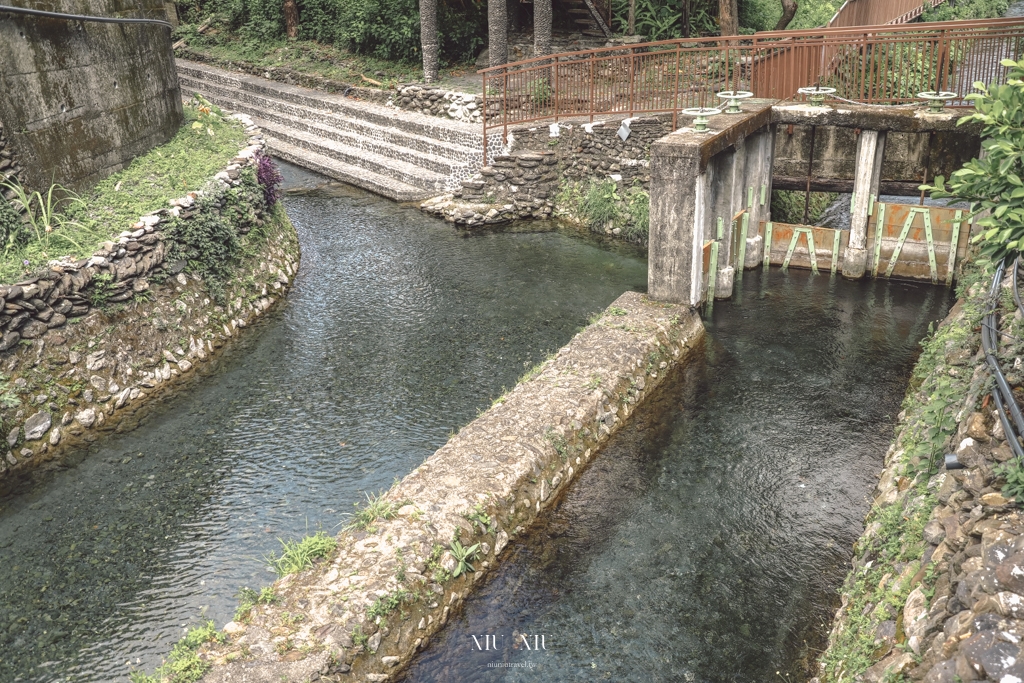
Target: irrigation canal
[[707, 540]]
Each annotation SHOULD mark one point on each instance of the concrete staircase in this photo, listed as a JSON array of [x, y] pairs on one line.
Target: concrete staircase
[[398, 154]]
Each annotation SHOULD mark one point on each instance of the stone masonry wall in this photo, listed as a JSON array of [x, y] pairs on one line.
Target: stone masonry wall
[[86, 342], [524, 182], [486, 486]]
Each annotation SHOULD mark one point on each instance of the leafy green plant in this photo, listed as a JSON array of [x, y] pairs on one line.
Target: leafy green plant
[[101, 289], [439, 573], [183, 665], [788, 206], [995, 183], [478, 515], [386, 604], [1013, 472], [638, 213], [600, 204], [463, 556], [298, 555], [249, 598], [377, 507]]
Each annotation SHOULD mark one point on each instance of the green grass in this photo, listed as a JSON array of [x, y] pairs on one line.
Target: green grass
[[205, 144], [387, 604], [303, 56], [298, 555], [375, 508], [184, 664]]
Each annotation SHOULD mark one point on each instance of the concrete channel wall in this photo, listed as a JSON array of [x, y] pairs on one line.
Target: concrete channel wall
[[364, 613], [80, 100]]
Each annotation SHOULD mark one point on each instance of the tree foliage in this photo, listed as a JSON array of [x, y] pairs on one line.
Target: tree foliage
[[995, 185]]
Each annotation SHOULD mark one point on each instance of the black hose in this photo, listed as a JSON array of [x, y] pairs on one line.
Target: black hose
[[1002, 394], [80, 17]]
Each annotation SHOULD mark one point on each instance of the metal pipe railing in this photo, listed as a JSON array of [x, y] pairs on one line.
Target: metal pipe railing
[[874, 65], [80, 17]]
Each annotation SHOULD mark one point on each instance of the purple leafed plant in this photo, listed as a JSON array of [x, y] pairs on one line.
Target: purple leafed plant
[[269, 178]]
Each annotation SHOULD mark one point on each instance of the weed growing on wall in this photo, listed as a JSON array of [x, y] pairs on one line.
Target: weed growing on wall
[[184, 664], [298, 555]]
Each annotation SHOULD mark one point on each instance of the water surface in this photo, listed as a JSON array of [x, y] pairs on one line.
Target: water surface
[[399, 330], [707, 541]]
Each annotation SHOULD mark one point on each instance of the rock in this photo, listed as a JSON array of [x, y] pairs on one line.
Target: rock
[[9, 340], [976, 427], [934, 532], [500, 541], [889, 667], [33, 329], [1010, 573], [233, 627], [994, 499], [25, 453], [374, 642], [95, 361], [37, 425], [12, 437], [11, 459], [55, 437], [915, 613], [86, 418], [390, 661], [98, 383]]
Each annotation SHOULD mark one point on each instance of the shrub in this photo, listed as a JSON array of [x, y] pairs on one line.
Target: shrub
[[269, 178], [995, 183], [601, 203], [11, 227]]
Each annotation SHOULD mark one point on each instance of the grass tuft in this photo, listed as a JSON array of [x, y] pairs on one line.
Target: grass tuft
[[298, 555]]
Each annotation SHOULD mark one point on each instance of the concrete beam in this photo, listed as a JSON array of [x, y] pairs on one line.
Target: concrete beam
[[758, 183], [870, 151]]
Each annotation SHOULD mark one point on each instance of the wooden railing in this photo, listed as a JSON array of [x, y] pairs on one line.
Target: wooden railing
[[871, 13], [871, 64]]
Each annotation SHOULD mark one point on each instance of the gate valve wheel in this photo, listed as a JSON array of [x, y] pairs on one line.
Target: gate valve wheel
[[700, 123], [817, 95], [732, 98], [936, 100]]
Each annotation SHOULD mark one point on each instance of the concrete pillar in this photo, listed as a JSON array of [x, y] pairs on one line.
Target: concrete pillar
[[680, 194], [867, 174], [726, 188], [760, 156]]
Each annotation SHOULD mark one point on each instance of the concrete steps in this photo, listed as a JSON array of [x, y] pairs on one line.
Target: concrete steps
[[398, 154]]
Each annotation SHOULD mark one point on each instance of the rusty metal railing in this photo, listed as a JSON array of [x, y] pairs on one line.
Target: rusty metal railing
[[868, 13], [871, 64]]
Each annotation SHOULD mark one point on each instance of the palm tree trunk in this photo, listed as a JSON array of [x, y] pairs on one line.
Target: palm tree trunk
[[428, 37], [728, 21], [497, 32], [541, 28], [291, 19]]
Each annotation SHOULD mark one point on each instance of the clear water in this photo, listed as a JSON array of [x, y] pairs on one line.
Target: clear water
[[707, 541], [399, 330]]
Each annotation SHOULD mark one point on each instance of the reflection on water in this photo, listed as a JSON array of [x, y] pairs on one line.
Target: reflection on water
[[707, 541], [399, 329]]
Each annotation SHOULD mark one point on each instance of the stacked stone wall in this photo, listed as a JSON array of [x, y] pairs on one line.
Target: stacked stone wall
[[85, 342], [524, 182]]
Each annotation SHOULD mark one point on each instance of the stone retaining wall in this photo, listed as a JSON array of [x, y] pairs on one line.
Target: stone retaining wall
[[364, 613], [937, 588], [85, 342], [524, 182]]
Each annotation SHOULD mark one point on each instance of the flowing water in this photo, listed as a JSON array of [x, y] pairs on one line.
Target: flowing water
[[706, 542], [399, 329]]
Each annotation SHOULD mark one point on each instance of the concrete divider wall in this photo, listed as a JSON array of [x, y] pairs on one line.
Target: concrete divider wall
[[82, 99], [485, 486]]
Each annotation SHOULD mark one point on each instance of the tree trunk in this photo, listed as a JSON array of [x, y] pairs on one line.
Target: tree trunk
[[632, 17], [428, 37], [728, 20], [685, 18], [291, 19], [497, 32], [541, 28], [788, 12]]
